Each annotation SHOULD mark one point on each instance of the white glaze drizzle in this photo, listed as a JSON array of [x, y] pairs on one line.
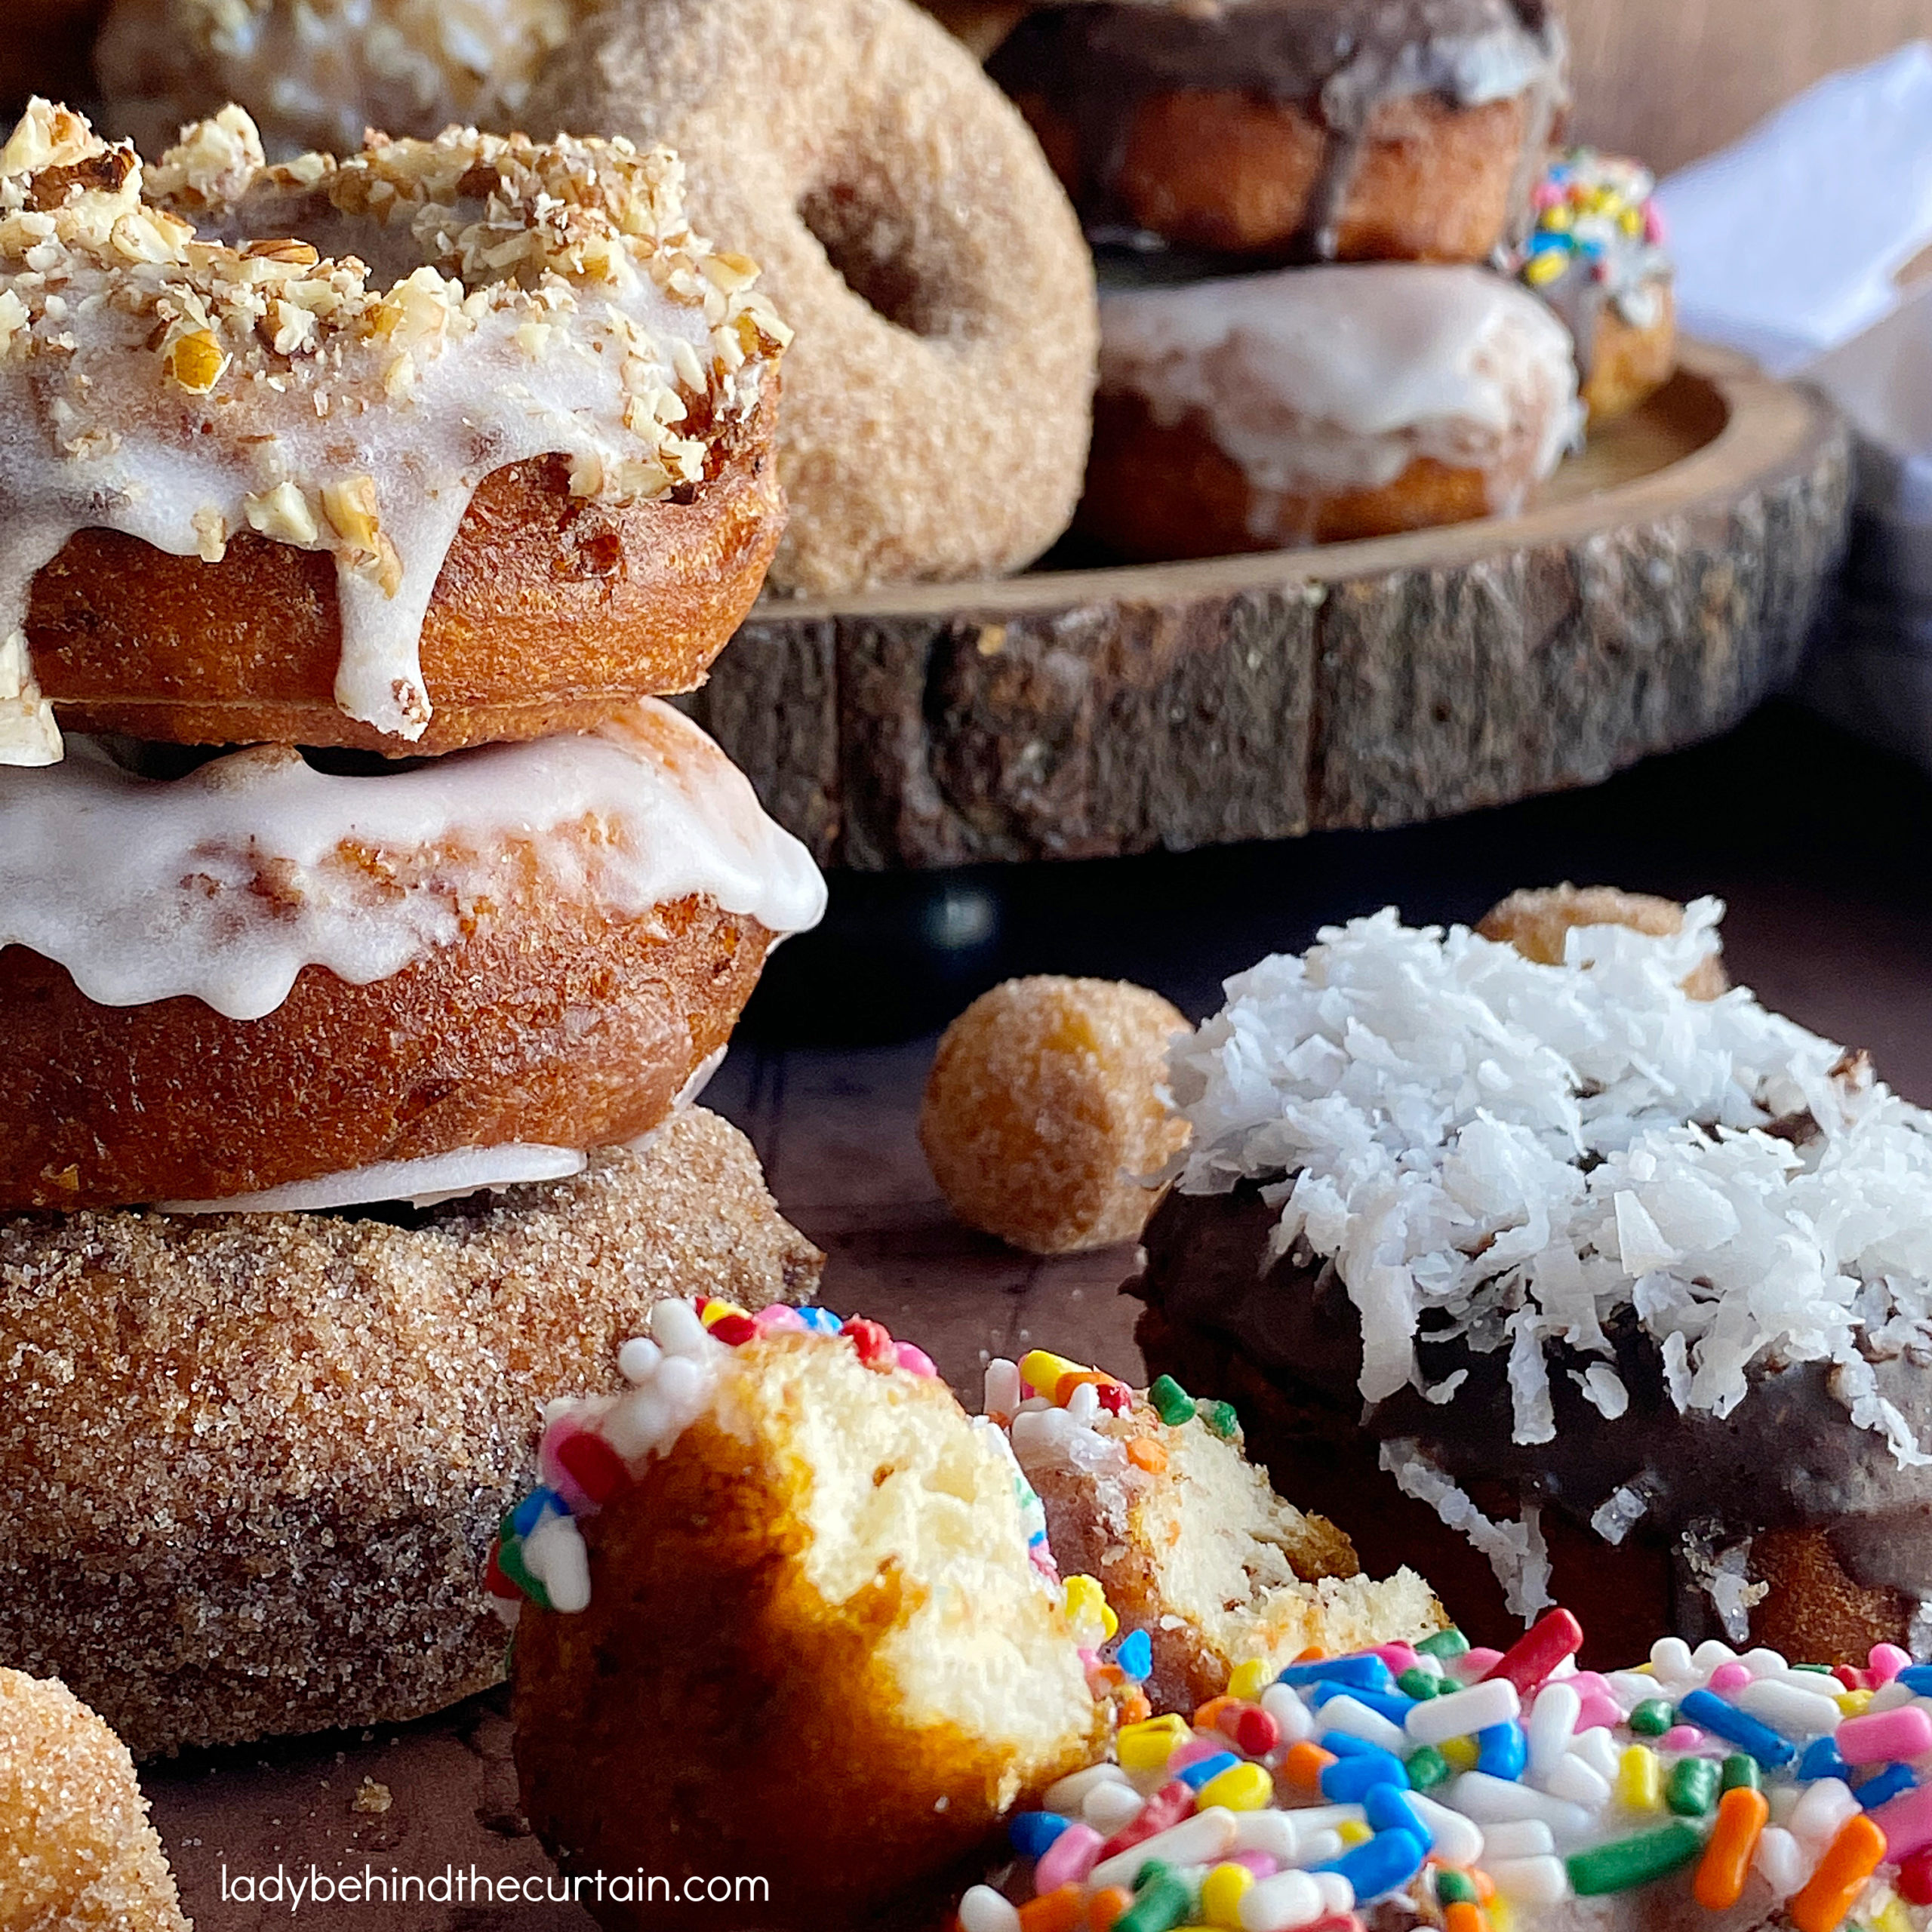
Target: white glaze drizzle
[[1319, 379], [224, 884], [181, 388]]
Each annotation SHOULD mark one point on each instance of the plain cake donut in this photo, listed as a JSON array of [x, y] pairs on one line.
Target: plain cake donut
[[510, 475], [935, 403], [261, 977]]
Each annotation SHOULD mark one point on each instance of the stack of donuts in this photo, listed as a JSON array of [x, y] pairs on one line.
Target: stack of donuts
[[1299, 206], [367, 921]]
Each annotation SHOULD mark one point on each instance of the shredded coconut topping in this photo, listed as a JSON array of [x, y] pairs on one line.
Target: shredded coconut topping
[[334, 354], [1519, 1150]]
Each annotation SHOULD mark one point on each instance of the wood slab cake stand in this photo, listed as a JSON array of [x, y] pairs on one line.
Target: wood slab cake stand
[[1658, 587]]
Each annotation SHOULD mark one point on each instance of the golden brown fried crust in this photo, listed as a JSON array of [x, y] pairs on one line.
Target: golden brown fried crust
[[710, 1711], [555, 1024], [1228, 170], [1628, 364], [552, 612], [1156, 493], [77, 1852], [253, 1465]]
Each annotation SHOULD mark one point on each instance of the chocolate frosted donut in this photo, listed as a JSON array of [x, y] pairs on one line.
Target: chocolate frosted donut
[[1297, 129], [1557, 1280]]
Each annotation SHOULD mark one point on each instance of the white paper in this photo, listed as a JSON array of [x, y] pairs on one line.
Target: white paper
[[1788, 243]]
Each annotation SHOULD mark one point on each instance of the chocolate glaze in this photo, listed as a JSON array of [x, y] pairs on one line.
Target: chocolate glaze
[[1338, 59], [1788, 1457]]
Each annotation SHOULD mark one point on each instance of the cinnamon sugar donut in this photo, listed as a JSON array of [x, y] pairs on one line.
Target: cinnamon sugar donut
[[320, 73], [512, 476], [1295, 130], [253, 1464], [1320, 405], [267, 985], [936, 403], [46, 49]]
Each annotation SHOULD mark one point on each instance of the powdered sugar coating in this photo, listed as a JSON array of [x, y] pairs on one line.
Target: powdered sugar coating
[[1522, 1149]]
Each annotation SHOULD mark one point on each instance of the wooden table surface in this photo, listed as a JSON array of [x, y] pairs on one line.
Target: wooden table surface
[[1817, 844]]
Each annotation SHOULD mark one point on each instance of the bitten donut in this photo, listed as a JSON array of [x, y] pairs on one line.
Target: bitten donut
[[1316, 405], [937, 402], [1295, 130], [46, 50], [1596, 256], [775, 1614], [1148, 1492], [253, 1465], [264, 985], [1558, 1280], [512, 477], [320, 73], [77, 1853]]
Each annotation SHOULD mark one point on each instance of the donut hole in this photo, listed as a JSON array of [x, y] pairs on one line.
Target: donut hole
[[873, 240]]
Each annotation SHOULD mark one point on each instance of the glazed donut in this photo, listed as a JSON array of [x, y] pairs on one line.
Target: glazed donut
[[1666, 1245], [1596, 256], [264, 985], [320, 73], [1698, 1788], [77, 1852], [1295, 130], [1316, 405], [1148, 1492], [936, 403], [253, 1465], [781, 1619], [515, 477]]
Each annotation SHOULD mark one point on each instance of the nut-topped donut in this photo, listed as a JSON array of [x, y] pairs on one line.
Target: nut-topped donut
[[936, 402], [317, 73], [266, 985], [513, 474]]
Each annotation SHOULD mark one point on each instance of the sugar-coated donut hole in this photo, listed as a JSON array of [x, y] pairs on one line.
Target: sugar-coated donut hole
[[76, 1849], [1044, 1112]]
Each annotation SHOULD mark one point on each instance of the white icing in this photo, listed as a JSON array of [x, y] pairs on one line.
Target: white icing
[[423, 1183], [1316, 380], [224, 885], [366, 427]]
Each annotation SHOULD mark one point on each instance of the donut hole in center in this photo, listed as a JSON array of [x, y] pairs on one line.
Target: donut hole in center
[[875, 244]]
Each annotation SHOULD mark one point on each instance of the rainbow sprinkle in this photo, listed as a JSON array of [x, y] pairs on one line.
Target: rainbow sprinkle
[[539, 1554], [1465, 1784], [1597, 220]]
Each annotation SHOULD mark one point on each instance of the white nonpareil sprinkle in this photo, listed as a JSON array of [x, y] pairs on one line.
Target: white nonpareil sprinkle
[[1518, 1151]]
